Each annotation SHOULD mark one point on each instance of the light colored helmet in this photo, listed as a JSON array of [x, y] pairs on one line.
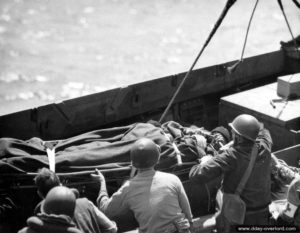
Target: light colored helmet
[[246, 126], [144, 153], [59, 200]]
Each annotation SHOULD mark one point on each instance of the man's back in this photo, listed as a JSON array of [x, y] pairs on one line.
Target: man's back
[[233, 164], [257, 191], [156, 199], [88, 218]]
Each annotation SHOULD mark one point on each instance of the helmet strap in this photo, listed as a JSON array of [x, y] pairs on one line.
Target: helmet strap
[[40, 194], [239, 139]]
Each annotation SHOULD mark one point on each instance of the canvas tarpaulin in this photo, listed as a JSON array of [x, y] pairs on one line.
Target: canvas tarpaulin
[[103, 149]]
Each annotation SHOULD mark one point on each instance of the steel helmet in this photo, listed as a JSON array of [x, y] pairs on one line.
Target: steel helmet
[[144, 153], [59, 200], [246, 126]]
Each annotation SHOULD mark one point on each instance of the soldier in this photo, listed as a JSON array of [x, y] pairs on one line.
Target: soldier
[[87, 216], [45, 180], [233, 162], [157, 199], [57, 213]]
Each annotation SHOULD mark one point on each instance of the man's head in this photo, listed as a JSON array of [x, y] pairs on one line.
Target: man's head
[[144, 153], [245, 128], [46, 180], [221, 134], [59, 200]]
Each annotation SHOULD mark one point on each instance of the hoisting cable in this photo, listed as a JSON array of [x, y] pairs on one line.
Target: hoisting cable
[[232, 68], [297, 3], [287, 22], [286, 100], [216, 26]]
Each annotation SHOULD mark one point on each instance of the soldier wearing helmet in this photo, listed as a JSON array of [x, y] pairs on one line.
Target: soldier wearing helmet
[[157, 199], [246, 131], [87, 217], [245, 128], [57, 213], [59, 200]]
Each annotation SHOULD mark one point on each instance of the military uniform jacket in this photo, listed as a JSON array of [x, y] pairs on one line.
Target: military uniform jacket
[[233, 163]]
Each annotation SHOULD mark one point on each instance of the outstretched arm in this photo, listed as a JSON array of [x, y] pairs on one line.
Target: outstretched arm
[[113, 206], [212, 167], [102, 189]]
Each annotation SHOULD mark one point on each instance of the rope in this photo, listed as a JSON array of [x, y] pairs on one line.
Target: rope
[[232, 68], [245, 42], [216, 26], [297, 3], [288, 25]]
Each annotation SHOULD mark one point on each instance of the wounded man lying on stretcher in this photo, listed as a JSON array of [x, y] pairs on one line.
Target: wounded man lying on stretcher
[[109, 148]]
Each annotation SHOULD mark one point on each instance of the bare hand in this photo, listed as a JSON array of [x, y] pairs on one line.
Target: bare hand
[[98, 176], [206, 158], [182, 224]]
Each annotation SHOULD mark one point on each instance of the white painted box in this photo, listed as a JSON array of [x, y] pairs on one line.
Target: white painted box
[[289, 86]]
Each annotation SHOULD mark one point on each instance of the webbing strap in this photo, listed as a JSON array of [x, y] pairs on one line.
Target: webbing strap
[[178, 154], [246, 175], [51, 158]]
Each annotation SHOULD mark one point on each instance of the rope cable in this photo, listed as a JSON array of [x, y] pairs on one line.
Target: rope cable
[[248, 28], [232, 68], [297, 3], [216, 26]]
